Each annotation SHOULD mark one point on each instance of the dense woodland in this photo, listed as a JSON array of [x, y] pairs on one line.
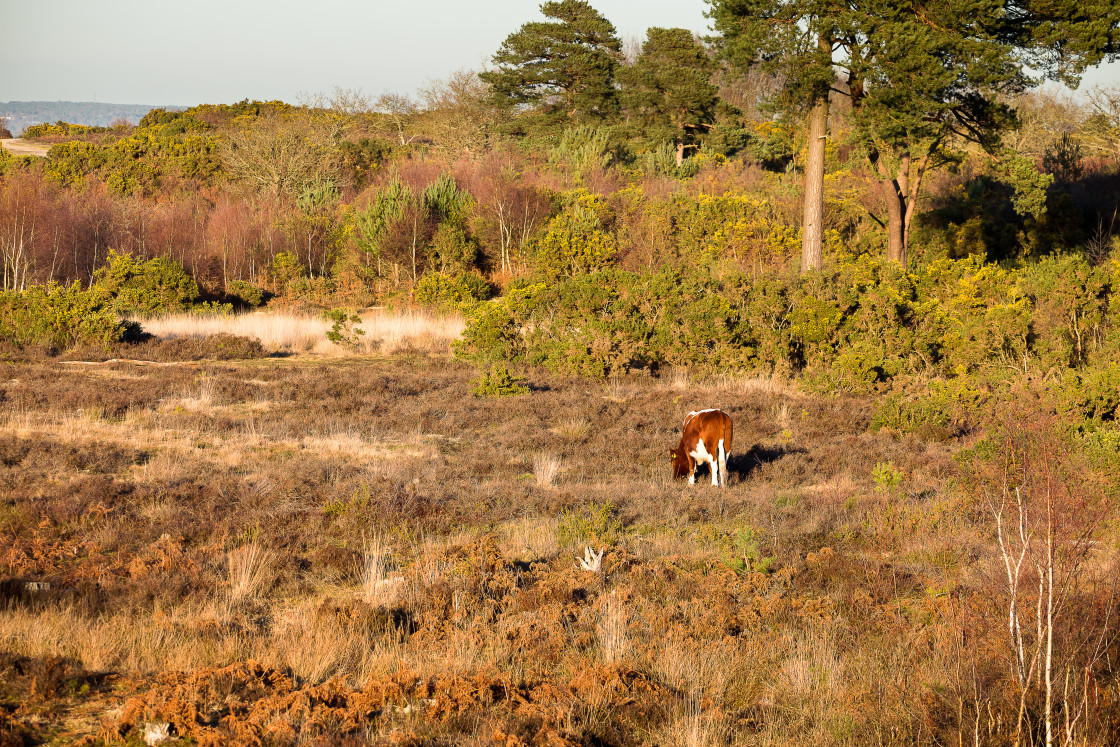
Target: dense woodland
[[885, 211]]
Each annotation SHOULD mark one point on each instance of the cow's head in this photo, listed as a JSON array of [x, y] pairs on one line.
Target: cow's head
[[679, 459]]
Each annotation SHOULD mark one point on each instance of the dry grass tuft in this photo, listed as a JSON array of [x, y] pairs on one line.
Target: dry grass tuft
[[530, 539], [377, 586], [812, 670], [680, 379], [248, 567], [574, 428], [611, 630], [617, 391], [545, 468], [742, 383], [199, 399], [690, 726]]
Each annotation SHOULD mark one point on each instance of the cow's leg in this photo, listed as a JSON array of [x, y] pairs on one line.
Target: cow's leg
[[722, 464], [700, 456], [713, 465], [692, 473]]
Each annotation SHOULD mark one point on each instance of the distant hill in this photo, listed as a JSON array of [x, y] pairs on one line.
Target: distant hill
[[18, 115]]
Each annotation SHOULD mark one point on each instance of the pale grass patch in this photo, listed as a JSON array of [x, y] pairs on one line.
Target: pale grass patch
[[545, 468], [377, 586], [412, 330], [462, 651], [386, 332], [812, 669], [699, 668], [314, 646], [781, 415], [91, 414], [248, 567], [530, 539], [616, 390], [574, 428], [18, 417], [679, 378], [158, 511], [285, 333], [198, 399], [119, 642], [690, 726], [657, 545], [743, 383], [706, 672], [661, 473], [180, 449]]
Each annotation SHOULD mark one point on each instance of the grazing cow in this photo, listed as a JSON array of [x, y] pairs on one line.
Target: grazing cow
[[705, 437]]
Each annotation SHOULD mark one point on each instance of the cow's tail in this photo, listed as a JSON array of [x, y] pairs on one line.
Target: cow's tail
[[725, 449], [728, 431]]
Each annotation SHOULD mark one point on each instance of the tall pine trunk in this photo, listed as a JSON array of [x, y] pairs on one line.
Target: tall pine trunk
[[896, 222], [902, 199], [812, 224]]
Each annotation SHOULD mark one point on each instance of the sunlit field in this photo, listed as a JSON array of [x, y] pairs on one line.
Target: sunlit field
[[385, 332], [318, 549]]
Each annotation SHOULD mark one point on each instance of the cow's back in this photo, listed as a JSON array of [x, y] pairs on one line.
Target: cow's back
[[710, 426]]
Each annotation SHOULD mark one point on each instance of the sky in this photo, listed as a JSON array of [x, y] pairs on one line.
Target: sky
[[166, 53], [219, 52]]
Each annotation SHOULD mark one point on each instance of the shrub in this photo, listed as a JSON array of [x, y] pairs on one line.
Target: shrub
[[1069, 300], [59, 317], [1092, 394], [593, 524], [145, 287], [218, 347], [887, 477], [343, 331], [854, 327], [498, 382], [285, 269], [245, 295], [577, 240], [61, 129], [461, 292], [939, 409], [452, 250]]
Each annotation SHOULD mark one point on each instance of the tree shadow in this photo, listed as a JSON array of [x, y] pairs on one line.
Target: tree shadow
[[746, 463]]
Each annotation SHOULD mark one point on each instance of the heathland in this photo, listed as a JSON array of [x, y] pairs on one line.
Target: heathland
[[348, 421]]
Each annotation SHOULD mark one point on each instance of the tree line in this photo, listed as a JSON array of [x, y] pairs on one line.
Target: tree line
[[483, 172]]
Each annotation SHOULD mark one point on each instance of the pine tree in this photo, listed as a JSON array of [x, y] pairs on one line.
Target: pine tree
[[920, 76], [564, 67], [668, 89]]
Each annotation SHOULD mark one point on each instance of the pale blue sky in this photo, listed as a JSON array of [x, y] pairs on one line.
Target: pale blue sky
[[221, 51]]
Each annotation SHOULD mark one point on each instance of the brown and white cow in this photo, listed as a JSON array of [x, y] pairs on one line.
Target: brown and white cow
[[705, 438]]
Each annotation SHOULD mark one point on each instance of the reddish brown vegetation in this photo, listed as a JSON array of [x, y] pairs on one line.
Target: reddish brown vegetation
[[354, 551]]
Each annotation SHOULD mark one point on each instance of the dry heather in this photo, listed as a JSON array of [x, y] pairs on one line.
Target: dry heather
[[356, 550]]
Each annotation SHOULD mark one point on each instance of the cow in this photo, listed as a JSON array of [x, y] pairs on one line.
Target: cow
[[705, 437]]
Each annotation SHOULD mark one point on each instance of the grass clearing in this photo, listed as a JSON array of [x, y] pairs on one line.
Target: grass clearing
[[386, 332]]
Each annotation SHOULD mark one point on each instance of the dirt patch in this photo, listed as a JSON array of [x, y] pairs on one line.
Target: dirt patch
[[20, 147]]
